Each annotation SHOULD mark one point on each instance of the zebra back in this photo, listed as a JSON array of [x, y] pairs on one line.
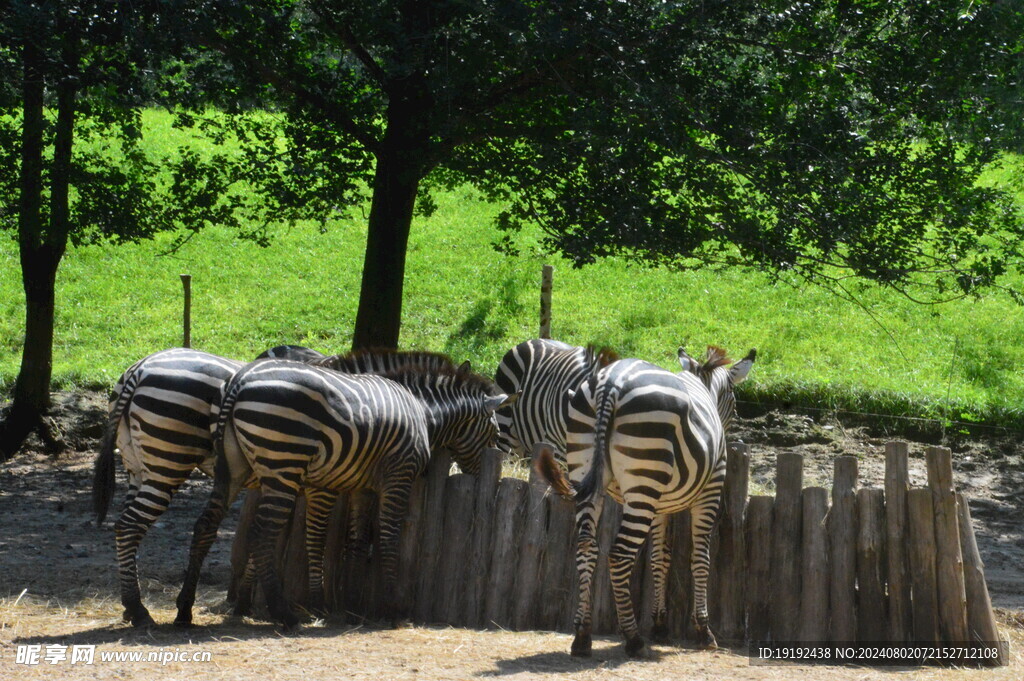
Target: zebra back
[[297, 353]]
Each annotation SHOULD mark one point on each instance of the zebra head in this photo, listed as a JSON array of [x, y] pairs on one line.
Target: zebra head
[[719, 378]]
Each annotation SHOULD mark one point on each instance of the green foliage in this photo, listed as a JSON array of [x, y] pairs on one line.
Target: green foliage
[[885, 355]]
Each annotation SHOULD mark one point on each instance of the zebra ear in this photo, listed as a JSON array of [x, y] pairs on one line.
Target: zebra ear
[[496, 402], [465, 367], [738, 372], [686, 362]]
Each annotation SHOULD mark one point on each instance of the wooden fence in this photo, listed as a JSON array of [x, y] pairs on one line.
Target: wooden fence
[[895, 564]]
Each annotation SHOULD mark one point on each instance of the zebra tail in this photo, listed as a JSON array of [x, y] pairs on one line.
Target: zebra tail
[[605, 401], [103, 476], [546, 466], [227, 406]]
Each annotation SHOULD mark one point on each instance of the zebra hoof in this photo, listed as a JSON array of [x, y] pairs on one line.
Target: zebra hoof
[[706, 640], [582, 645], [635, 646], [143, 620], [183, 622]]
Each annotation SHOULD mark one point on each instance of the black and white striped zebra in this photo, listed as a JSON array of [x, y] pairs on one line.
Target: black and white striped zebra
[[293, 425], [543, 371], [654, 440], [298, 353], [159, 421]]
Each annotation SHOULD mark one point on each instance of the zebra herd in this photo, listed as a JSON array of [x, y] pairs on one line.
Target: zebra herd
[[295, 421]]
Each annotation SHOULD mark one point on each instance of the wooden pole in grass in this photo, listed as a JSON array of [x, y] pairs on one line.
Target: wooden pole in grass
[[949, 562], [186, 283], [546, 277], [896, 485], [842, 533]]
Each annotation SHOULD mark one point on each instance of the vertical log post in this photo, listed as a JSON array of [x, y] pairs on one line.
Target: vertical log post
[[732, 547], [508, 526], [759, 564], [453, 568], [786, 531], [949, 562], [558, 582], [604, 616], [924, 605], [872, 624], [981, 621], [896, 485], [531, 554], [483, 532], [546, 277], [814, 602], [842, 532], [433, 535], [679, 599], [186, 320]]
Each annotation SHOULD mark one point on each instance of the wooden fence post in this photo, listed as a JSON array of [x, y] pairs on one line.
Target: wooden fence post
[[730, 571], [924, 605], [480, 545], [814, 600], [186, 320], [872, 624], [433, 533], [546, 277], [786, 535], [842, 533], [680, 579], [508, 528], [558, 575], [981, 621], [453, 566], [896, 485], [531, 554], [949, 562], [759, 586]]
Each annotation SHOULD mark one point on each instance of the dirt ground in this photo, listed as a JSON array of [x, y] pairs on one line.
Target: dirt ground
[[58, 584]]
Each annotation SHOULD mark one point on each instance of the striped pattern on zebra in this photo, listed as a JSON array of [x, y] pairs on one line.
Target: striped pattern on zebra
[[298, 353], [159, 421], [544, 371], [654, 441], [293, 424]]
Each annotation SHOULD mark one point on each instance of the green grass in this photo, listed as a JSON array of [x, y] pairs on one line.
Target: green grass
[[116, 304]]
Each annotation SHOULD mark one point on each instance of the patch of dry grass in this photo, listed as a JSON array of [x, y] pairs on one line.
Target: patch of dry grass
[[242, 649]]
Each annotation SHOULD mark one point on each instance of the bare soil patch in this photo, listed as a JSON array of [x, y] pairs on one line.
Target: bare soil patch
[[58, 578]]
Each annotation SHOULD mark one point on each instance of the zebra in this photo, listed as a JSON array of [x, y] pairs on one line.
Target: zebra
[[292, 425], [159, 420], [654, 440], [544, 371]]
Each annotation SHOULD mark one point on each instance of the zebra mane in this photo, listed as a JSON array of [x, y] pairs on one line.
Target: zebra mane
[[419, 376], [715, 357], [386, 360], [598, 358]]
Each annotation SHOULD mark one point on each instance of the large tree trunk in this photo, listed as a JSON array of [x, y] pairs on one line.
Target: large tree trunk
[[399, 170], [41, 245]]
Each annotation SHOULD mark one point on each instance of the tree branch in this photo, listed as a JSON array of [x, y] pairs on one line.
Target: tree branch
[[348, 39]]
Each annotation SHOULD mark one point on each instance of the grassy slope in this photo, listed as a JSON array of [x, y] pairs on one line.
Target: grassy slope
[[116, 304]]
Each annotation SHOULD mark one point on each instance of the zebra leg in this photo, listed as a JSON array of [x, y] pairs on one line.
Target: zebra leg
[[661, 555], [702, 522], [587, 515], [636, 525], [272, 513], [148, 503], [244, 591], [394, 504], [319, 503]]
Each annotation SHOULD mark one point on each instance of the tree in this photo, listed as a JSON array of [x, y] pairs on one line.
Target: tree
[[71, 164], [819, 139]]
